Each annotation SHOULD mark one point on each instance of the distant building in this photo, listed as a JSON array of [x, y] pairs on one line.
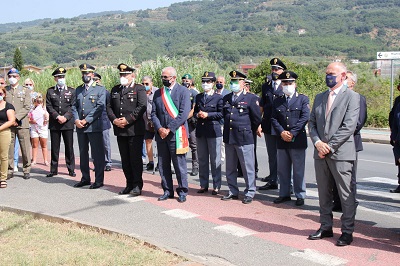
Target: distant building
[[302, 31], [31, 68], [354, 61], [244, 68]]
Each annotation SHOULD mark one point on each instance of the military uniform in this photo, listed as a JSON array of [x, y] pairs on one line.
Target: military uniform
[[59, 102], [241, 114], [270, 91], [291, 113], [20, 98], [90, 101], [130, 103]]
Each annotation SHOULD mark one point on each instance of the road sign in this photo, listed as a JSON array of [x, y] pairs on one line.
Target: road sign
[[388, 55]]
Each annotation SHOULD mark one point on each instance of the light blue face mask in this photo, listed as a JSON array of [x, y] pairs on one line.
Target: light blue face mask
[[1, 97], [147, 88], [235, 87]]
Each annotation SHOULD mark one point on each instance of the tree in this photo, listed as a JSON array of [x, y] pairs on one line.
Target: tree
[[18, 60]]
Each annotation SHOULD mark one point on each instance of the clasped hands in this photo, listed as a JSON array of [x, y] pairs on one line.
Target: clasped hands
[[202, 114], [120, 122], [287, 136], [323, 149], [80, 123], [163, 132]]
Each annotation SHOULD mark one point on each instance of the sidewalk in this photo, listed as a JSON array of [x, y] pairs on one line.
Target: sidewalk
[[203, 229], [381, 135]]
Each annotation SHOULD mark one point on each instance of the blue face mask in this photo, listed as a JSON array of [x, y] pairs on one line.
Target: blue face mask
[[147, 88], [1, 97], [219, 86], [235, 87], [330, 80]]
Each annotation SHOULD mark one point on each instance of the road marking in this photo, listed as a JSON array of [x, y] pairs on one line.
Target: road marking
[[181, 214], [377, 179], [388, 210], [234, 230], [131, 199], [318, 257], [372, 161]]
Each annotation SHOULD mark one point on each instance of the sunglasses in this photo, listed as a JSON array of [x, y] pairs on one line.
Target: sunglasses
[[28, 84], [12, 76], [145, 83]]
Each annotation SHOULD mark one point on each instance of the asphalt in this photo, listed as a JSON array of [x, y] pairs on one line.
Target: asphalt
[[204, 229]]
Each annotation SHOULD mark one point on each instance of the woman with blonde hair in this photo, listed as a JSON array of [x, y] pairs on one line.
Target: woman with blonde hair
[[7, 119], [38, 119]]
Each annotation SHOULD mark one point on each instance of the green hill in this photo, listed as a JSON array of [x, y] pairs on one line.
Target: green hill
[[227, 31]]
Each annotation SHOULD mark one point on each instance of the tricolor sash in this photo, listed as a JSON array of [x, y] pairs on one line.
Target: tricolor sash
[[181, 136]]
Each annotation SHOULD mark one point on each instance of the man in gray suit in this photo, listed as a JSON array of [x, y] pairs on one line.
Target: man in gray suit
[[332, 124]]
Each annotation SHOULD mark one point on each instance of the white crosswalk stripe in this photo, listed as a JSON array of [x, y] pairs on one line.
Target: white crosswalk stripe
[[234, 230], [181, 214], [318, 257]]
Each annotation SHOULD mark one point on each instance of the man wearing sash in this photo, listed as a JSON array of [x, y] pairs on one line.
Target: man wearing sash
[[171, 107]]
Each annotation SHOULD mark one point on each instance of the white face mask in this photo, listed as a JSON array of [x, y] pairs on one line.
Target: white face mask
[[13, 81], [124, 81], [289, 90], [206, 86], [61, 82]]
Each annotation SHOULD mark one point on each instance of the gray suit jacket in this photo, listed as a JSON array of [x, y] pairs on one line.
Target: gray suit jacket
[[338, 128]]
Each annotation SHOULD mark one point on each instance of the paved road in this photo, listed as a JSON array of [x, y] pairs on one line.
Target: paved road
[[214, 232]]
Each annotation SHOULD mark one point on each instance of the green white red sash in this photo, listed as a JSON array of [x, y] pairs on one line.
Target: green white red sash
[[181, 136]]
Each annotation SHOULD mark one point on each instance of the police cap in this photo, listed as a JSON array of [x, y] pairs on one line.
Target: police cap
[[60, 71], [87, 68], [208, 75], [125, 69], [287, 75], [276, 62], [187, 76], [237, 75], [13, 71], [97, 75]]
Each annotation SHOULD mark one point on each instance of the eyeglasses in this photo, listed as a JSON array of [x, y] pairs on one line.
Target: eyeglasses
[[12, 76], [145, 83], [220, 82], [28, 84], [166, 77]]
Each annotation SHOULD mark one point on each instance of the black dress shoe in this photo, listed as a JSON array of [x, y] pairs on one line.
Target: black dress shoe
[[108, 168], [10, 175], [344, 240], [135, 192], [397, 190], [202, 190], [150, 166], [321, 234], [247, 200], [51, 174], [26, 176], [182, 198], [73, 174], [265, 179], [82, 184], [96, 185], [194, 172], [281, 199], [165, 197], [215, 192], [229, 197], [299, 202], [268, 186], [125, 191]]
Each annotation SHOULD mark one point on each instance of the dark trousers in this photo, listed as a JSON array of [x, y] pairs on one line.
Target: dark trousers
[[68, 137], [193, 145], [166, 154], [130, 149], [271, 142], [95, 139]]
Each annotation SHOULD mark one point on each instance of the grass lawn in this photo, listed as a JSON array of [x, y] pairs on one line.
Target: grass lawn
[[25, 240]]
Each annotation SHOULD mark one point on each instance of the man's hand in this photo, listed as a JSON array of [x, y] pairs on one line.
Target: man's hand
[[320, 155], [79, 124], [259, 131], [286, 136], [163, 132], [61, 119], [323, 148]]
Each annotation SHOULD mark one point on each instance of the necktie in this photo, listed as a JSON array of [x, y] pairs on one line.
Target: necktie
[[329, 103], [205, 97], [234, 97], [287, 100], [274, 84]]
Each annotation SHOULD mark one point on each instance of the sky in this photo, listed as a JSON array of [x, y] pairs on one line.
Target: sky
[[27, 10]]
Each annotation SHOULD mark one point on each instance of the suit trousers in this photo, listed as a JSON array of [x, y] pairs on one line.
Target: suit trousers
[[131, 157], [95, 139], [107, 147], [68, 137], [327, 172], [24, 139], [336, 198], [166, 154], [209, 151], [193, 145], [5, 140], [245, 154], [271, 142], [288, 160]]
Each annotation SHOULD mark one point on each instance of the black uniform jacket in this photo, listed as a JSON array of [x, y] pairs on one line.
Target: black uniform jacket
[[209, 127], [59, 103]]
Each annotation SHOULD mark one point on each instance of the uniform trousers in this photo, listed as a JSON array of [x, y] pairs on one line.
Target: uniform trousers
[[166, 154], [95, 139], [107, 147], [24, 139], [288, 160], [68, 137], [327, 172], [209, 151], [193, 145], [245, 154], [5, 140], [131, 158], [271, 142]]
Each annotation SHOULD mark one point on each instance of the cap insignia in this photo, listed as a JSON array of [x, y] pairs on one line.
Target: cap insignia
[[275, 61], [123, 67], [288, 75], [234, 74]]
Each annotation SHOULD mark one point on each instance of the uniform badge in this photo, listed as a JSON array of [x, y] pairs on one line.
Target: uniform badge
[[257, 103], [241, 110]]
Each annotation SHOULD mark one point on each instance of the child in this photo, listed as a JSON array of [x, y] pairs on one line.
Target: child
[[38, 118]]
